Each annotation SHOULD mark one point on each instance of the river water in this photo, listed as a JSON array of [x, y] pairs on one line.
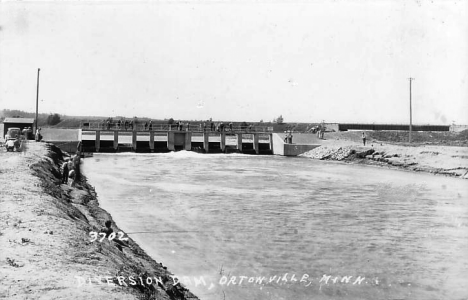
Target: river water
[[266, 227]]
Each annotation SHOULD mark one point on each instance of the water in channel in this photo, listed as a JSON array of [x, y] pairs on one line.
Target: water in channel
[[266, 227]]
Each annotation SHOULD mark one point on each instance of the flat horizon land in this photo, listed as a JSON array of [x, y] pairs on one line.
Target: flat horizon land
[[74, 121]]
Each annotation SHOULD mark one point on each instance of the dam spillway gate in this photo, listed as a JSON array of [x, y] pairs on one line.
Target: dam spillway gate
[[173, 140]]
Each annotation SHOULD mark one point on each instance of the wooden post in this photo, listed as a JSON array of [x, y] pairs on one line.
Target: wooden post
[[410, 112], [271, 141], [206, 141], [98, 140], [239, 142], [116, 139], [37, 99], [255, 143], [151, 141]]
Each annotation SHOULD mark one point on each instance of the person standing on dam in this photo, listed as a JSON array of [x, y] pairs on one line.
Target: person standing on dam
[[38, 136], [363, 138]]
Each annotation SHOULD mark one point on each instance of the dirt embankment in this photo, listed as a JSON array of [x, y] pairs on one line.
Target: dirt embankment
[[444, 153], [444, 160], [46, 248]]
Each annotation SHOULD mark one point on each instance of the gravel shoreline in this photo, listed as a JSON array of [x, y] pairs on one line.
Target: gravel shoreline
[[46, 248]]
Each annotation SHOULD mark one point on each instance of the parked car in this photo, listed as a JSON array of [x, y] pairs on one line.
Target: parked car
[[12, 133], [12, 139]]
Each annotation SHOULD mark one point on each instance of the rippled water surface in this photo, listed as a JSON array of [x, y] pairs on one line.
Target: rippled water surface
[[399, 235]]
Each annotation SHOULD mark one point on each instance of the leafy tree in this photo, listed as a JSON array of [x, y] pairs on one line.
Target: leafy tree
[[170, 121], [53, 119]]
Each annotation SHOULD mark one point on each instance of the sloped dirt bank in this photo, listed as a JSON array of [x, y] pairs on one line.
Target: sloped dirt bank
[[46, 248]]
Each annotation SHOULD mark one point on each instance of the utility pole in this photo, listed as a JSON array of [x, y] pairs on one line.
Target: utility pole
[[410, 111], [37, 96]]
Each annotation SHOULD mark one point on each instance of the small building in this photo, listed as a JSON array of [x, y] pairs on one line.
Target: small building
[[21, 123]]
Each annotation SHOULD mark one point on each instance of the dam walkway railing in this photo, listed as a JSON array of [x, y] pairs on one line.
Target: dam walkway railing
[[174, 127]]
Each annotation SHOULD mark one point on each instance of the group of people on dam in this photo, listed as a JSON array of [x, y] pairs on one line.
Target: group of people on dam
[[148, 125]]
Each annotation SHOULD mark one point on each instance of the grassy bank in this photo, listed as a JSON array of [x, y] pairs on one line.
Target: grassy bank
[[46, 248]]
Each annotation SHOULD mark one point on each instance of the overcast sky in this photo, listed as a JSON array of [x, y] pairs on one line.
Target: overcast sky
[[338, 61]]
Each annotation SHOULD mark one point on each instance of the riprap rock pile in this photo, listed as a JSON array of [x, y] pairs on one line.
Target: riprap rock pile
[[329, 153]]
